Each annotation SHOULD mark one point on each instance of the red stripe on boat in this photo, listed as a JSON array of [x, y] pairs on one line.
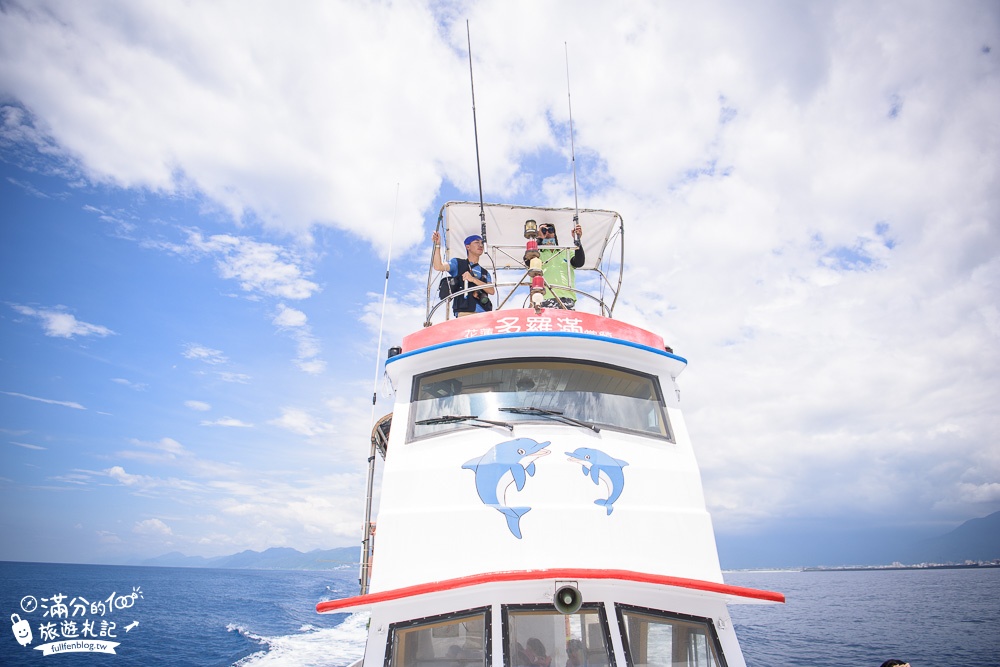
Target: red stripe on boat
[[531, 575]]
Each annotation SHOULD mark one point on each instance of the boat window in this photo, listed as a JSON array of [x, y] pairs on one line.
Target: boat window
[[455, 640], [587, 394], [543, 637], [668, 640]]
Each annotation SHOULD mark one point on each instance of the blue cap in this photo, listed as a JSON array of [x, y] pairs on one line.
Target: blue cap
[[474, 237]]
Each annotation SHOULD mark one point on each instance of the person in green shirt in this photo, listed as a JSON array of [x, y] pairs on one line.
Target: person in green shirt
[[558, 265]]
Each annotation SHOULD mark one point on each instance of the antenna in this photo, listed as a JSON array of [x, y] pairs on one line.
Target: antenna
[[475, 129], [366, 554], [572, 148]]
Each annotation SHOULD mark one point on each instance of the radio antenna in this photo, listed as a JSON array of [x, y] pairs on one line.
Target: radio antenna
[[367, 545], [472, 86], [572, 148]]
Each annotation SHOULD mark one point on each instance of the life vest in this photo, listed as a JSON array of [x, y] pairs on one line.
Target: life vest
[[466, 303]]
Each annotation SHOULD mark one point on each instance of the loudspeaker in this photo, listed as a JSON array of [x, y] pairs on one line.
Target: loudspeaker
[[567, 600]]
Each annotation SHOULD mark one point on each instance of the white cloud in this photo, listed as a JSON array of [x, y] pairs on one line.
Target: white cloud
[[65, 404], [296, 323], [134, 386], [206, 354], [118, 474], [199, 406], [227, 421], [152, 527], [259, 267], [27, 445], [809, 190], [298, 421], [235, 378], [289, 317], [60, 324]]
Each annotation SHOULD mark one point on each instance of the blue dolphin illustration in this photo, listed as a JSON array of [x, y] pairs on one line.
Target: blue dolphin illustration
[[495, 470], [599, 465]]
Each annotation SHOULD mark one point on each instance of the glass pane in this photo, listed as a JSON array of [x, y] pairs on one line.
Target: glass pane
[[664, 641], [602, 395], [551, 639], [452, 642]]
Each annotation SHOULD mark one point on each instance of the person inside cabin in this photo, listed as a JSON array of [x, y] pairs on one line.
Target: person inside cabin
[[575, 655], [558, 267], [466, 273], [535, 652]]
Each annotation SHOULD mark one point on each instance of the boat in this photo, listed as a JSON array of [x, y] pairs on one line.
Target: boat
[[540, 503]]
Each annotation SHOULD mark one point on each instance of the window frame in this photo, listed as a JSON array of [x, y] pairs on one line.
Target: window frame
[[602, 614], [621, 609], [653, 379], [410, 623]]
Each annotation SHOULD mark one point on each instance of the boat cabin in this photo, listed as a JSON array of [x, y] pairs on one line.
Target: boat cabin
[[541, 503]]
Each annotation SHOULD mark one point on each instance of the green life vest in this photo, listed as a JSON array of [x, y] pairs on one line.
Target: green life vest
[[557, 271]]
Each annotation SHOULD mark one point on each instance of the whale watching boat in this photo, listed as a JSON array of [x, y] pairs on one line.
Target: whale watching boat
[[540, 500]]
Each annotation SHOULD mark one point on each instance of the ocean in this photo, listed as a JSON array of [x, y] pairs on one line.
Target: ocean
[[250, 618]]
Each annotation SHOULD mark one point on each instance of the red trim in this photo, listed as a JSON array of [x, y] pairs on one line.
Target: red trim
[[532, 575], [526, 320]]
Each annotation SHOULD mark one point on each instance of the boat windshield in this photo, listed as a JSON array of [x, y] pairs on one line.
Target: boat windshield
[[577, 393]]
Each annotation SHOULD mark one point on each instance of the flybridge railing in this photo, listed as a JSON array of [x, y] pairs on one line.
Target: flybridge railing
[[597, 282]]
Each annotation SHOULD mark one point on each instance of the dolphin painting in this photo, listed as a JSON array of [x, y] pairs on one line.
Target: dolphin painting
[[504, 464], [600, 467]]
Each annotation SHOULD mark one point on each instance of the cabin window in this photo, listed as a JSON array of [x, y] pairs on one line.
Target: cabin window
[[461, 639], [668, 640], [542, 637], [541, 391]]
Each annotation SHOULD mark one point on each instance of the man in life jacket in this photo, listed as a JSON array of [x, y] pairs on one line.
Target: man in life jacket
[[466, 273]]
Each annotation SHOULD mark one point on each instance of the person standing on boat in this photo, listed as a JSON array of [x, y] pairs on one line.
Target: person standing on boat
[[468, 273], [558, 268]]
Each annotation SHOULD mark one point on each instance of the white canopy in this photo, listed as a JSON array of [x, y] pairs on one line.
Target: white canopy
[[505, 230], [597, 280]]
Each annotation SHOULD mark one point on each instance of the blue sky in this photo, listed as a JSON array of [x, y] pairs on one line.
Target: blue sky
[[198, 201]]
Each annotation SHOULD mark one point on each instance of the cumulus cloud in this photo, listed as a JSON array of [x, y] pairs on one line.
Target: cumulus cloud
[[152, 527], [258, 267], [809, 191], [59, 323], [199, 406], [118, 474]]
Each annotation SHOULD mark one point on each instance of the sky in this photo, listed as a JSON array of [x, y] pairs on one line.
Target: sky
[[198, 203]]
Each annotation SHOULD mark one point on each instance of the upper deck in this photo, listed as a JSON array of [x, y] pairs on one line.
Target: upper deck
[[597, 282]]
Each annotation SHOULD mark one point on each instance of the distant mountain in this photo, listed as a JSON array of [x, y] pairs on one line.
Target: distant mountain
[[276, 558], [832, 543], [976, 539]]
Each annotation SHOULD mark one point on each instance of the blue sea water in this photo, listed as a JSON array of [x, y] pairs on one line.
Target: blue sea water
[[932, 618], [252, 618]]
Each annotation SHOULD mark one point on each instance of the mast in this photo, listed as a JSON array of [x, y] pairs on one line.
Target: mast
[[475, 129]]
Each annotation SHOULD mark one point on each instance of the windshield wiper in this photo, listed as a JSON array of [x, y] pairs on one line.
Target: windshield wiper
[[454, 419], [551, 413]]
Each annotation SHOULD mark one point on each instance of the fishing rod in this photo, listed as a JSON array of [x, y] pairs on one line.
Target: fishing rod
[[572, 148], [475, 129], [366, 554]]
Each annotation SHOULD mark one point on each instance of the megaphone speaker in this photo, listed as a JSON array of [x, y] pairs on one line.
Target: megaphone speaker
[[568, 600]]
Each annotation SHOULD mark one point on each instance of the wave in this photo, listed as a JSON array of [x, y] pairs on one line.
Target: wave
[[339, 646]]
